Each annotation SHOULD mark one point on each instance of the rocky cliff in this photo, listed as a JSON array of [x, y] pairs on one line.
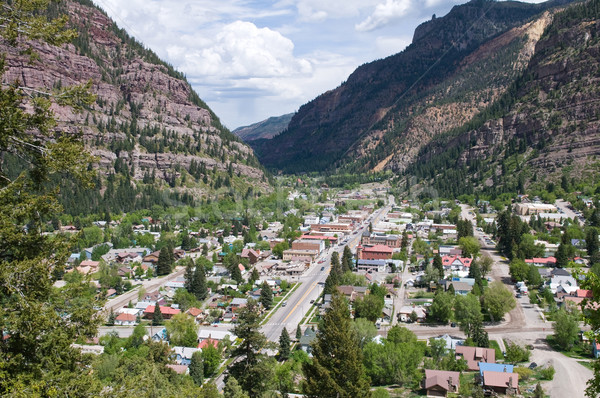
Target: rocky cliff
[[265, 129], [544, 126], [147, 120], [372, 108]]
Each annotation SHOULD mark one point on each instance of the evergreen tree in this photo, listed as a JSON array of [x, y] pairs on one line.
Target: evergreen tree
[[336, 267], [539, 391], [236, 274], [266, 295], [254, 275], [199, 287], [233, 390], [336, 369], [111, 318], [591, 242], [438, 264], [562, 259], [157, 318], [189, 275], [298, 332], [196, 368], [163, 266], [347, 259], [284, 345]]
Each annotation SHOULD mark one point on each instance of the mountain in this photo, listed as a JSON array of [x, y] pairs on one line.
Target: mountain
[[354, 124], [155, 140], [265, 129], [544, 129]]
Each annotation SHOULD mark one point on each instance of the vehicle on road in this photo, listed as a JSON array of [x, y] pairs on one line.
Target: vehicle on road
[[284, 304], [312, 301], [322, 268]]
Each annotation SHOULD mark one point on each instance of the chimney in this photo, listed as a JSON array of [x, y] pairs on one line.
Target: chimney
[[450, 384], [510, 383]]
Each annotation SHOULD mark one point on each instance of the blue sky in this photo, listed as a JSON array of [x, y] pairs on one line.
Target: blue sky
[[252, 59]]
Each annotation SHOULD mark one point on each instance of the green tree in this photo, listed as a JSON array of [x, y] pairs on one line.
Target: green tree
[[369, 307], [254, 276], [41, 320], [163, 266], [196, 368], [515, 354], [364, 331], [347, 259], [279, 248], [336, 369], [298, 332], [534, 279], [539, 391], [266, 295], [565, 328], [245, 370], [441, 308], [498, 300], [562, 256], [211, 358], [519, 270], [182, 330], [437, 348], [236, 274], [438, 265], [189, 275], [198, 287], [467, 310], [591, 241], [485, 263], [111, 318], [470, 246], [233, 390], [284, 345], [157, 317]]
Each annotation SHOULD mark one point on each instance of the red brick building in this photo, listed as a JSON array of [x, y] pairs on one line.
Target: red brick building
[[377, 252]]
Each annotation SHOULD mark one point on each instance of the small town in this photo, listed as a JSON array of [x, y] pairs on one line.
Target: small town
[[478, 314]]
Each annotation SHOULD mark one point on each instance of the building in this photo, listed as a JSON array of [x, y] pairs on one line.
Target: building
[[501, 382], [405, 312], [167, 312], [309, 244], [439, 383], [526, 209], [124, 319], [379, 266], [542, 262], [344, 228], [377, 252], [300, 255], [456, 263], [393, 241], [475, 355], [183, 355]]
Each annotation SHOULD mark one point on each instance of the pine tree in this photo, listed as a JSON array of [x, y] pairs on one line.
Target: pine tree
[[111, 318], [254, 275], [562, 259], [298, 332], [336, 369], [347, 259], [266, 295], [236, 274], [163, 266], [157, 318], [284, 345], [336, 267], [539, 391], [196, 368], [189, 275], [199, 287], [438, 264]]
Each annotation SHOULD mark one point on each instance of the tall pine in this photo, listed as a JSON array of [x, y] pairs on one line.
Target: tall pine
[[336, 369], [157, 318], [284, 345], [266, 295], [347, 258], [163, 266], [199, 287]]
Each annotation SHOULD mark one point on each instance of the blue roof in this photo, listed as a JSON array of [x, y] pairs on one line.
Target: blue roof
[[495, 367]]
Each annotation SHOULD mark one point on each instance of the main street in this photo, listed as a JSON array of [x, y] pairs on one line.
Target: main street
[[312, 283]]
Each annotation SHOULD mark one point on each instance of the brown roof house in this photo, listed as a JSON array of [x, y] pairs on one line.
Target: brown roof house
[[474, 355], [439, 383], [501, 382]]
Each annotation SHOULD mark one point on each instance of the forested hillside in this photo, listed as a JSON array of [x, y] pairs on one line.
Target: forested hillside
[[155, 140]]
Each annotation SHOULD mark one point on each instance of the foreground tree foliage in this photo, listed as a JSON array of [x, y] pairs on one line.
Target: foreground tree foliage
[[336, 369], [37, 321]]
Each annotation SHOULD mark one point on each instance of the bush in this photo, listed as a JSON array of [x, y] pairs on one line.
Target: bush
[[524, 373], [516, 354], [547, 373]]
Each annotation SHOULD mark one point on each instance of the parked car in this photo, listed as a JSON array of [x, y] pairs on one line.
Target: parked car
[[322, 268], [533, 365]]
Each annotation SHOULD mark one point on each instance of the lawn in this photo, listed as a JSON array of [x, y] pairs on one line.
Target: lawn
[[578, 351]]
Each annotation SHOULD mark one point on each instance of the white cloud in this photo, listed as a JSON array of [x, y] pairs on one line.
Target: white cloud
[[385, 13], [320, 10]]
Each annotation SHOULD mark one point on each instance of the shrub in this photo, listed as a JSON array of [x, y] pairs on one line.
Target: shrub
[[547, 373], [524, 373]]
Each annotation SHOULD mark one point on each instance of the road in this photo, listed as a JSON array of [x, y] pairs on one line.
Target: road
[[312, 281], [150, 285]]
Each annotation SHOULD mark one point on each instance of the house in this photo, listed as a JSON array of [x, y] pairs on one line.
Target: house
[[501, 382], [167, 312], [475, 355], [451, 342], [456, 263], [88, 267], [494, 367], [161, 335], [300, 255], [238, 303], [306, 340], [405, 312], [251, 254], [124, 319], [206, 342], [217, 335], [183, 355], [460, 288], [439, 383], [562, 281], [195, 313], [377, 252], [596, 349], [352, 292], [542, 262]]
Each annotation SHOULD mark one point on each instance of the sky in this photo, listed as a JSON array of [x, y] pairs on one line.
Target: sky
[[253, 59]]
